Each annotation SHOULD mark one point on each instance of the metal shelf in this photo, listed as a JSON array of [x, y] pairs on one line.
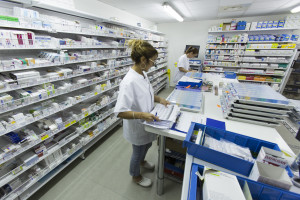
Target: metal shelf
[[226, 42], [62, 64], [60, 79], [258, 81], [213, 71], [270, 49], [264, 42], [257, 30], [260, 74], [39, 118]]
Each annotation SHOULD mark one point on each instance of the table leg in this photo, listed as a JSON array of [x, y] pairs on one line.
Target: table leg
[[161, 163]]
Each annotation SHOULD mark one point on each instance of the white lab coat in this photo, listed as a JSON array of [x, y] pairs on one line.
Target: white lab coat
[[136, 94], [184, 63]]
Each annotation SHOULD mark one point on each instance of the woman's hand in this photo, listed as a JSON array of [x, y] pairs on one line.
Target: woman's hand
[[149, 117], [164, 102]]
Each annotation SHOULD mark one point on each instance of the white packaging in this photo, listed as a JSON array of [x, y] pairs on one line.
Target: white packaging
[[271, 175], [220, 185], [272, 157]]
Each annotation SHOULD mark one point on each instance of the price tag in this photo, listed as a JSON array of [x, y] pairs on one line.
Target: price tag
[[67, 125], [45, 137], [247, 98], [73, 122], [86, 114], [96, 93]]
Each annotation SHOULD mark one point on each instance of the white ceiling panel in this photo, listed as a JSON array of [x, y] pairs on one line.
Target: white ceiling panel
[[202, 9], [235, 2]]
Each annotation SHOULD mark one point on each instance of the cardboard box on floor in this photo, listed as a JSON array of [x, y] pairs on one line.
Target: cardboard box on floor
[[175, 145]]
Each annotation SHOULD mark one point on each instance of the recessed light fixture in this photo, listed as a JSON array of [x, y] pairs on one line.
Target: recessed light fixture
[[296, 9], [172, 12]]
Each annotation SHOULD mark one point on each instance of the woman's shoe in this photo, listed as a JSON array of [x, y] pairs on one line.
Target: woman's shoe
[[144, 182], [148, 165]]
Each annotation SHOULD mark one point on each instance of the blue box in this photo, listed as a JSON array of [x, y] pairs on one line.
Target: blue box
[[231, 75], [193, 86], [259, 191], [221, 159], [281, 23]]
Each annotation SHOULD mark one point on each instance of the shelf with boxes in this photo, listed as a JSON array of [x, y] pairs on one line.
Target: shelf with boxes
[[256, 57], [61, 151], [51, 59], [44, 135], [10, 124], [70, 157], [61, 129], [59, 95]]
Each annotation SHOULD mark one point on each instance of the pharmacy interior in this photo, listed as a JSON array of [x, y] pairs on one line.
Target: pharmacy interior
[[231, 130]]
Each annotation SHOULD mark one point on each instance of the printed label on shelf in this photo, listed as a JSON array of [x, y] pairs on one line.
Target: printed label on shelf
[[45, 137], [96, 93], [86, 114], [67, 125], [73, 122]]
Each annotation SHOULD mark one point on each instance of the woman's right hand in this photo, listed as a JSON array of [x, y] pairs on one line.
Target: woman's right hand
[[149, 117]]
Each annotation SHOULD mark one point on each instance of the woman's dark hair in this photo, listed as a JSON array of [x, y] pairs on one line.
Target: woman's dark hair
[[141, 48], [191, 49]]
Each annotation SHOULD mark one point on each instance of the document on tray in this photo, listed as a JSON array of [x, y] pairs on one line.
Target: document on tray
[[167, 116], [186, 118]]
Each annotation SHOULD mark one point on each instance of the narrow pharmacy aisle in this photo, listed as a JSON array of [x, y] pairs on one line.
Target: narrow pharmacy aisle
[[104, 174]]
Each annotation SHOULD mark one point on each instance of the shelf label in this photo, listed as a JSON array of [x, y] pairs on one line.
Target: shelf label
[[73, 122], [86, 114], [45, 137], [96, 93], [67, 125], [247, 98]]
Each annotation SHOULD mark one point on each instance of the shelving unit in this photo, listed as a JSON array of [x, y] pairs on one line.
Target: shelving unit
[[73, 109], [221, 54]]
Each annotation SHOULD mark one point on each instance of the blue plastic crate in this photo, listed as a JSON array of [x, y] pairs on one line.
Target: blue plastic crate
[[259, 191], [231, 75], [221, 159], [193, 86]]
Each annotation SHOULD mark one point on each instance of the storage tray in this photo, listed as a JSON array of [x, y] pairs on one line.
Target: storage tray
[[221, 159], [259, 191]]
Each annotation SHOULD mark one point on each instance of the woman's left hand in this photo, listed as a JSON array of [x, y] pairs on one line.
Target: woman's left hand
[[164, 102]]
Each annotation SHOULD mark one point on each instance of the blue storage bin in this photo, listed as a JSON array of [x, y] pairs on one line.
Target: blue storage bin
[[229, 162], [259, 191], [192, 84], [231, 75]]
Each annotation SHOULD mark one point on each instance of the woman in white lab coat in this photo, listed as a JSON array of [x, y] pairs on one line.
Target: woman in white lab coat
[[183, 65], [134, 104]]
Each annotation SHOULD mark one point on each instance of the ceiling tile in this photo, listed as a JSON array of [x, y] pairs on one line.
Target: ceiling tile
[[234, 2], [201, 9]]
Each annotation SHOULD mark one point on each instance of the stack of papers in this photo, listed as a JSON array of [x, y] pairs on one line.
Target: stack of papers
[[167, 116]]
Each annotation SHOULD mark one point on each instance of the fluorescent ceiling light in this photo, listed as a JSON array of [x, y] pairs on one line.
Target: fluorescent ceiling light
[[172, 12], [296, 9]]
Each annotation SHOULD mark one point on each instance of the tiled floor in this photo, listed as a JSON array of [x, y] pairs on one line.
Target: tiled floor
[[104, 174]]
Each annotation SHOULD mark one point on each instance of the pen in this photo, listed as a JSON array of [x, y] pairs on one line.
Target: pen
[[155, 116]]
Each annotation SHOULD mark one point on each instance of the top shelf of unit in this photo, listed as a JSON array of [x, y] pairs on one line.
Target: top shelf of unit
[[257, 30], [252, 42], [78, 13], [89, 16]]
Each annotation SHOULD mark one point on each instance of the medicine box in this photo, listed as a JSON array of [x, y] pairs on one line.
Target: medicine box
[[229, 162], [258, 190], [271, 175], [220, 184]]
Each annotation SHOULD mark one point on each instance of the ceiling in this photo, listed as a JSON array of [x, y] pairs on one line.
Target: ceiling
[[193, 10]]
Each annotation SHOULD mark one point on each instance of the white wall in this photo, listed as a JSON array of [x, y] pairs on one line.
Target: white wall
[[194, 33], [102, 10]]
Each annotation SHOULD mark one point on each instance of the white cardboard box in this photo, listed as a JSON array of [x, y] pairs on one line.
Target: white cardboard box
[[271, 175], [272, 157], [220, 185]]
